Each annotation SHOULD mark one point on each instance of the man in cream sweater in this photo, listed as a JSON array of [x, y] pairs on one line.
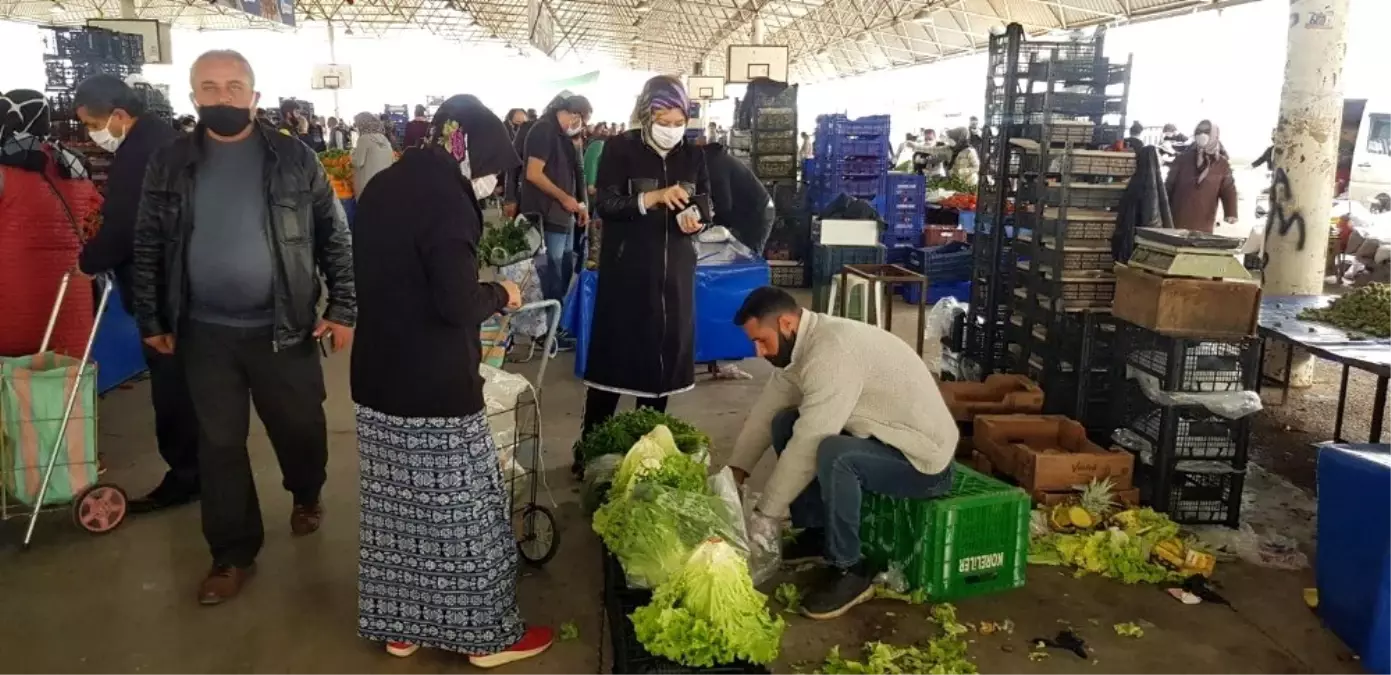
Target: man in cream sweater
[[850, 408]]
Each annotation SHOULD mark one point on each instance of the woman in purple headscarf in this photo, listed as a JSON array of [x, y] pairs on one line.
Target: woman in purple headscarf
[[653, 197]]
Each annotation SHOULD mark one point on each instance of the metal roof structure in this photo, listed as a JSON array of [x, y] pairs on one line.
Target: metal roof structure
[[826, 38]]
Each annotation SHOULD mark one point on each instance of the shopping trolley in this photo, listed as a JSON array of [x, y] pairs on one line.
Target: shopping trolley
[[534, 524], [25, 416]]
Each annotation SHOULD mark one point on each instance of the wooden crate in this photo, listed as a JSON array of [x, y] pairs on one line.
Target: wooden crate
[[1186, 307]]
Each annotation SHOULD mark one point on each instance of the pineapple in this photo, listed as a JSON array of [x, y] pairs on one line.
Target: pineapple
[[1099, 497]]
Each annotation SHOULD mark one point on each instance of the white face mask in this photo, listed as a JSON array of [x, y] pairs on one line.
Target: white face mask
[[483, 187], [666, 138], [1200, 140], [104, 139]]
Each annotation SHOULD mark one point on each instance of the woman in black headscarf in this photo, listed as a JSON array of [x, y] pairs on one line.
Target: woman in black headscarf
[[438, 559], [642, 343]]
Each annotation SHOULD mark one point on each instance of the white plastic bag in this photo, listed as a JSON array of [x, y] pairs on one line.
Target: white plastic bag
[[523, 273], [765, 546], [501, 391], [1232, 405]]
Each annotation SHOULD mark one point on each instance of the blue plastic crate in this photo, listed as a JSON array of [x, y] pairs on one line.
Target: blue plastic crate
[[948, 262], [870, 125], [902, 219], [961, 290], [850, 166], [897, 256], [904, 240], [855, 186], [907, 190], [967, 221], [852, 146], [1353, 560]]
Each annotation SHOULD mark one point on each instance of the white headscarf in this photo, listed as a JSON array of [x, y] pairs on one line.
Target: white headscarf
[[1209, 153]]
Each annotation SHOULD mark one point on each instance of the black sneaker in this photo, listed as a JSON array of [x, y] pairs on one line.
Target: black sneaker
[[808, 546], [564, 342], [842, 590]]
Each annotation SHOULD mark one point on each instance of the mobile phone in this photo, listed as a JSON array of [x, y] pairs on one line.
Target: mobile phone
[[324, 343]]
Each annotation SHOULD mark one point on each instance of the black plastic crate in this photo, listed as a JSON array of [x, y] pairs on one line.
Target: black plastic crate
[[1192, 497], [1056, 132], [97, 44], [774, 142], [1071, 227], [1072, 103], [629, 656], [1078, 195], [1070, 261], [1063, 294], [775, 119], [1176, 432], [1192, 365], [769, 167], [827, 260], [65, 74], [787, 274], [1101, 163]]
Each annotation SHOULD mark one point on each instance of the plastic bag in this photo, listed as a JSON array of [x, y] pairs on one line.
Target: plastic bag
[[722, 252], [765, 548], [598, 475], [1272, 550], [501, 392], [1229, 404], [660, 526], [530, 323]]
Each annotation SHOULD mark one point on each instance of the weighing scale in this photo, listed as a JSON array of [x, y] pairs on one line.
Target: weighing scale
[[1186, 253]]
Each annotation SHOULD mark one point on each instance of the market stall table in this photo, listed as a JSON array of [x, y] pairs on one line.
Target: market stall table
[[1279, 322], [719, 291]]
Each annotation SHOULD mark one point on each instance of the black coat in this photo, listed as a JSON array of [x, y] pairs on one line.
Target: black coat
[[740, 201], [307, 233], [415, 241], [643, 336], [113, 247]]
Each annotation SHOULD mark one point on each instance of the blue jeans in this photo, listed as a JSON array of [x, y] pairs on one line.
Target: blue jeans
[[845, 467], [560, 265]]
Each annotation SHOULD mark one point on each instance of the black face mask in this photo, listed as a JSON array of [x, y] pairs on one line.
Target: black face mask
[[783, 358], [224, 120]]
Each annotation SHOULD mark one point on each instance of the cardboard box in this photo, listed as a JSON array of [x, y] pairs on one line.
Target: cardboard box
[[1049, 452], [1126, 498], [997, 395], [1186, 307]]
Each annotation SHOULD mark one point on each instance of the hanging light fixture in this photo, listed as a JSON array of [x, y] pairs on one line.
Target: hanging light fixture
[[643, 6], [924, 16]]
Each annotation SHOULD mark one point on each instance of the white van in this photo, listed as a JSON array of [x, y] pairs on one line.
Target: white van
[[1369, 174]]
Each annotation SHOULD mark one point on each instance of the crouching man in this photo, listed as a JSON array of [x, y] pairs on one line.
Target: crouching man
[[851, 408]]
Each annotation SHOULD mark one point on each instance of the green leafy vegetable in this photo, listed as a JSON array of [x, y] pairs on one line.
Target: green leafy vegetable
[[568, 631], [1130, 630], [916, 596], [789, 595], [1120, 552], [1366, 310], [654, 529], [709, 613], [943, 654], [655, 459], [502, 243], [620, 432]]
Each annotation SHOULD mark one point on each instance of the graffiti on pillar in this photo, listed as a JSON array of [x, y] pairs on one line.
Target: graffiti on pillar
[[1283, 218], [1319, 21]]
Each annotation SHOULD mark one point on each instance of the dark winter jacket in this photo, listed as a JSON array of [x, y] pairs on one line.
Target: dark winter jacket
[[415, 241], [113, 247], [307, 235], [643, 338], [740, 201], [1145, 203]]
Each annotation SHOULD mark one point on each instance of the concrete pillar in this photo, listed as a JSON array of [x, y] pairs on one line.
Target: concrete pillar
[[757, 30], [1305, 160]]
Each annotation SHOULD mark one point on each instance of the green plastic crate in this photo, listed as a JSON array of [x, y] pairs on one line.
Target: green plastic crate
[[973, 542]]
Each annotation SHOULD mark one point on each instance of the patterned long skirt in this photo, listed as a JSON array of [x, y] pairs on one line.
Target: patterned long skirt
[[437, 561]]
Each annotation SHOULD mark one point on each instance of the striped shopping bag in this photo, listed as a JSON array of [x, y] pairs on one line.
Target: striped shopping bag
[[33, 394], [494, 334]]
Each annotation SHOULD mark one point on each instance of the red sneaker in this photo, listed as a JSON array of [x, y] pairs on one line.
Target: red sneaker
[[401, 649], [537, 639]]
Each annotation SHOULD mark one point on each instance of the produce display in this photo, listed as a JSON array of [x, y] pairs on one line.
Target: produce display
[[709, 613], [502, 243], [620, 432], [654, 459], [338, 164], [953, 183], [961, 201], [1365, 310]]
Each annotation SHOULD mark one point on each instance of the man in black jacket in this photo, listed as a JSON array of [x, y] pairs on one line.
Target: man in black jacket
[[116, 120], [741, 203], [236, 227]]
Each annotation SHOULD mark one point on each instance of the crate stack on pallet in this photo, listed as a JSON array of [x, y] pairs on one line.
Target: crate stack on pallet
[[769, 145], [72, 55], [903, 208], [1045, 280], [773, 135], [851, 158]]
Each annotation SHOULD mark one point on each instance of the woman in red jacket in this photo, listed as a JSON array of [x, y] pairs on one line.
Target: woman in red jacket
[[47, 207]]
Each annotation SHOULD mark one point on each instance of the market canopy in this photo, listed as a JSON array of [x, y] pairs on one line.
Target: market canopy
[[826, 38]]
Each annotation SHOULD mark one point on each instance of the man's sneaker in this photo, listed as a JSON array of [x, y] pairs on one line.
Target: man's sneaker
[[401, 649], [564, 341], [842, 590], [306, 518], [808, 546], [537, 639]]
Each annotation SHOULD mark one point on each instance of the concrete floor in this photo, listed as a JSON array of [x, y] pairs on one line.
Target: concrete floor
[[125, 602]]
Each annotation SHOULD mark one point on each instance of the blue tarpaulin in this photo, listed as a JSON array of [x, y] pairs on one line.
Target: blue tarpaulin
[[719, 291]]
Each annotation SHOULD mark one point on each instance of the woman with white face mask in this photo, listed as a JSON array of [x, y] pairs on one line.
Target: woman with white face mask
[[649, 183], [372, 153], [419, 404], [1199, 180]]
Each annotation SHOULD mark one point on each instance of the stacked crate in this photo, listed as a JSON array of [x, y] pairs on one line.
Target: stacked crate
[[72, 55], [1191, 461], [903, 208], [851, 158], [773, 136], [1042, 282]]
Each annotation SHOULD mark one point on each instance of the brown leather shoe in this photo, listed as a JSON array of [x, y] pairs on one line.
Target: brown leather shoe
[[223, 583], [306, 518]]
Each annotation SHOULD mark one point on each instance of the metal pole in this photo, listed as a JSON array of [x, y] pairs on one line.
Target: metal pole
[[756, 27], [333, 58], [1305, 160]]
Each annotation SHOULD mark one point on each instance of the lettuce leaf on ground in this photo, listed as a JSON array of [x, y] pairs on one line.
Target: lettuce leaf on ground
[[945, 653], [709, 613]]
